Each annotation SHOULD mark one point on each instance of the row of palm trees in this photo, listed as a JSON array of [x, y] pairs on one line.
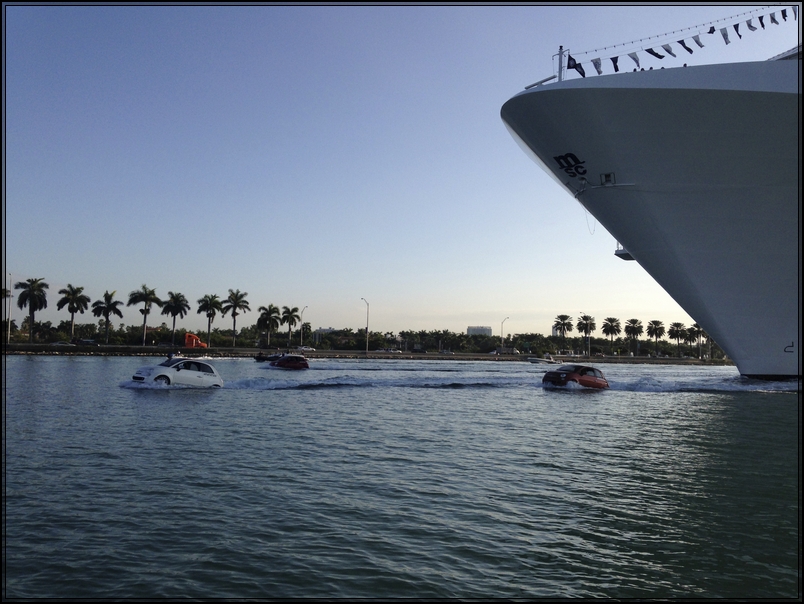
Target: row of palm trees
[[633, 329], [33, 295]]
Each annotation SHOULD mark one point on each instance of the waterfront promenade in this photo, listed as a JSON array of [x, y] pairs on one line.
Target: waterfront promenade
[[245, 352]]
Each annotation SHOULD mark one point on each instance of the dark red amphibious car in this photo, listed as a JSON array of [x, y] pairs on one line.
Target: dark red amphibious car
[[581, 375], [290, 361]]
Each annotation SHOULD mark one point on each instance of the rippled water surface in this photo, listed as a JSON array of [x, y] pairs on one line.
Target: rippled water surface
[[399, 478]]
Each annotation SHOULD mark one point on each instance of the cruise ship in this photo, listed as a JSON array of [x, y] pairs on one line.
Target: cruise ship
[[696, 172]]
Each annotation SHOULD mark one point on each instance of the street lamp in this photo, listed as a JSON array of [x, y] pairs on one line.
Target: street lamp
[[367, 318], [502, 338], [8, 315], [301, 329]]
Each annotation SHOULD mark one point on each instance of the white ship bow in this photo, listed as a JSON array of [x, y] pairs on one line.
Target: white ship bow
[[696, 172]]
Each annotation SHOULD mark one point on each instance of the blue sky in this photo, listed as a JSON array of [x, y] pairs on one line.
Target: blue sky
[[316, 155]]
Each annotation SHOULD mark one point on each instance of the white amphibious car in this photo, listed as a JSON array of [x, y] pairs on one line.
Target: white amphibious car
[[180, 372]]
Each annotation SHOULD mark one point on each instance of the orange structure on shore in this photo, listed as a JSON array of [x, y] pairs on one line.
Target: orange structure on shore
[[193, 341]]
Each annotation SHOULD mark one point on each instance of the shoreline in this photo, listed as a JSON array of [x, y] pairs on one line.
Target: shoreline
[[150, 351]]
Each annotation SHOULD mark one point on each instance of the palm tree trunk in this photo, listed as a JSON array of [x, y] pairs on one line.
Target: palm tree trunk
[[209, 331], [173, 337]]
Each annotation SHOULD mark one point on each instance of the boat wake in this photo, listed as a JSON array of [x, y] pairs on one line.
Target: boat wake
[[363, 382], [132, 385], [640, 384], [735, 384], [335, 375]]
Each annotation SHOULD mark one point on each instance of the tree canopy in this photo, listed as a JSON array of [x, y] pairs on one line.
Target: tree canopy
[[34, 296], [235, 303], [75, 301]]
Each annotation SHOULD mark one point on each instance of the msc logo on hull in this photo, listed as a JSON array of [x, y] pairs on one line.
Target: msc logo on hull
[[571, 164]]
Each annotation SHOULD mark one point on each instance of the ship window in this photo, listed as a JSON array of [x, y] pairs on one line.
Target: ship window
[[607, 179]]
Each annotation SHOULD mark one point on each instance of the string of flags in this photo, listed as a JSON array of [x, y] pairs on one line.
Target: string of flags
[[688, 45]]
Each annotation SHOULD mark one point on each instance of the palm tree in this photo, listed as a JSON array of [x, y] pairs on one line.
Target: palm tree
[[210, 304], [147, 297], [175, 305], [705, 336], [697, 332], [75, 301], [107, 307], [611, 328], [677, 331], [586, 325], [691, 336], [633, 329], [563, 323], [237, 303], [269, 319], [34, 296], [290, 316], [656, 331]]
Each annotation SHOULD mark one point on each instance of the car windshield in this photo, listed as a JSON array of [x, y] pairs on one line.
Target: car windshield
[[568, 368], [170, 362]]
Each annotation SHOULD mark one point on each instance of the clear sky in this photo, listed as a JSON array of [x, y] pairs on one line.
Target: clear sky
[[316, 155]]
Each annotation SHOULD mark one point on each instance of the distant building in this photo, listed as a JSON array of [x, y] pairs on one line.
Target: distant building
[[318, 333], [478, 330]]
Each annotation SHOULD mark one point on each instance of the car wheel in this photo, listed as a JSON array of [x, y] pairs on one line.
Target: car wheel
[[162, 380]]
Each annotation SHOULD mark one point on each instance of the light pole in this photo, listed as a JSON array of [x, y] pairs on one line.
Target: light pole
[[367, 319], [8, 315], [502, 338], [301, 329]]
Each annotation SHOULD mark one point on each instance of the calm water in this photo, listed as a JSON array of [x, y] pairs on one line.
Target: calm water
[[397, 479]]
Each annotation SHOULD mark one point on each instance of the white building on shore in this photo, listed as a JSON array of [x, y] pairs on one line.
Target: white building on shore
[[478, 330]]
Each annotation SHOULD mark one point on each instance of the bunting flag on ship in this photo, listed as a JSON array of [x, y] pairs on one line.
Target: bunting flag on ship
[[573, 64], [653, 45]]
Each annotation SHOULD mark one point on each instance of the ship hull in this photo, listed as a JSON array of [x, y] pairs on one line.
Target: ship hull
[[695, 171]]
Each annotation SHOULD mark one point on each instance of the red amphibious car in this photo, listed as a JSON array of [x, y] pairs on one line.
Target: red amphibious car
[[582, 375], [290, 361]]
